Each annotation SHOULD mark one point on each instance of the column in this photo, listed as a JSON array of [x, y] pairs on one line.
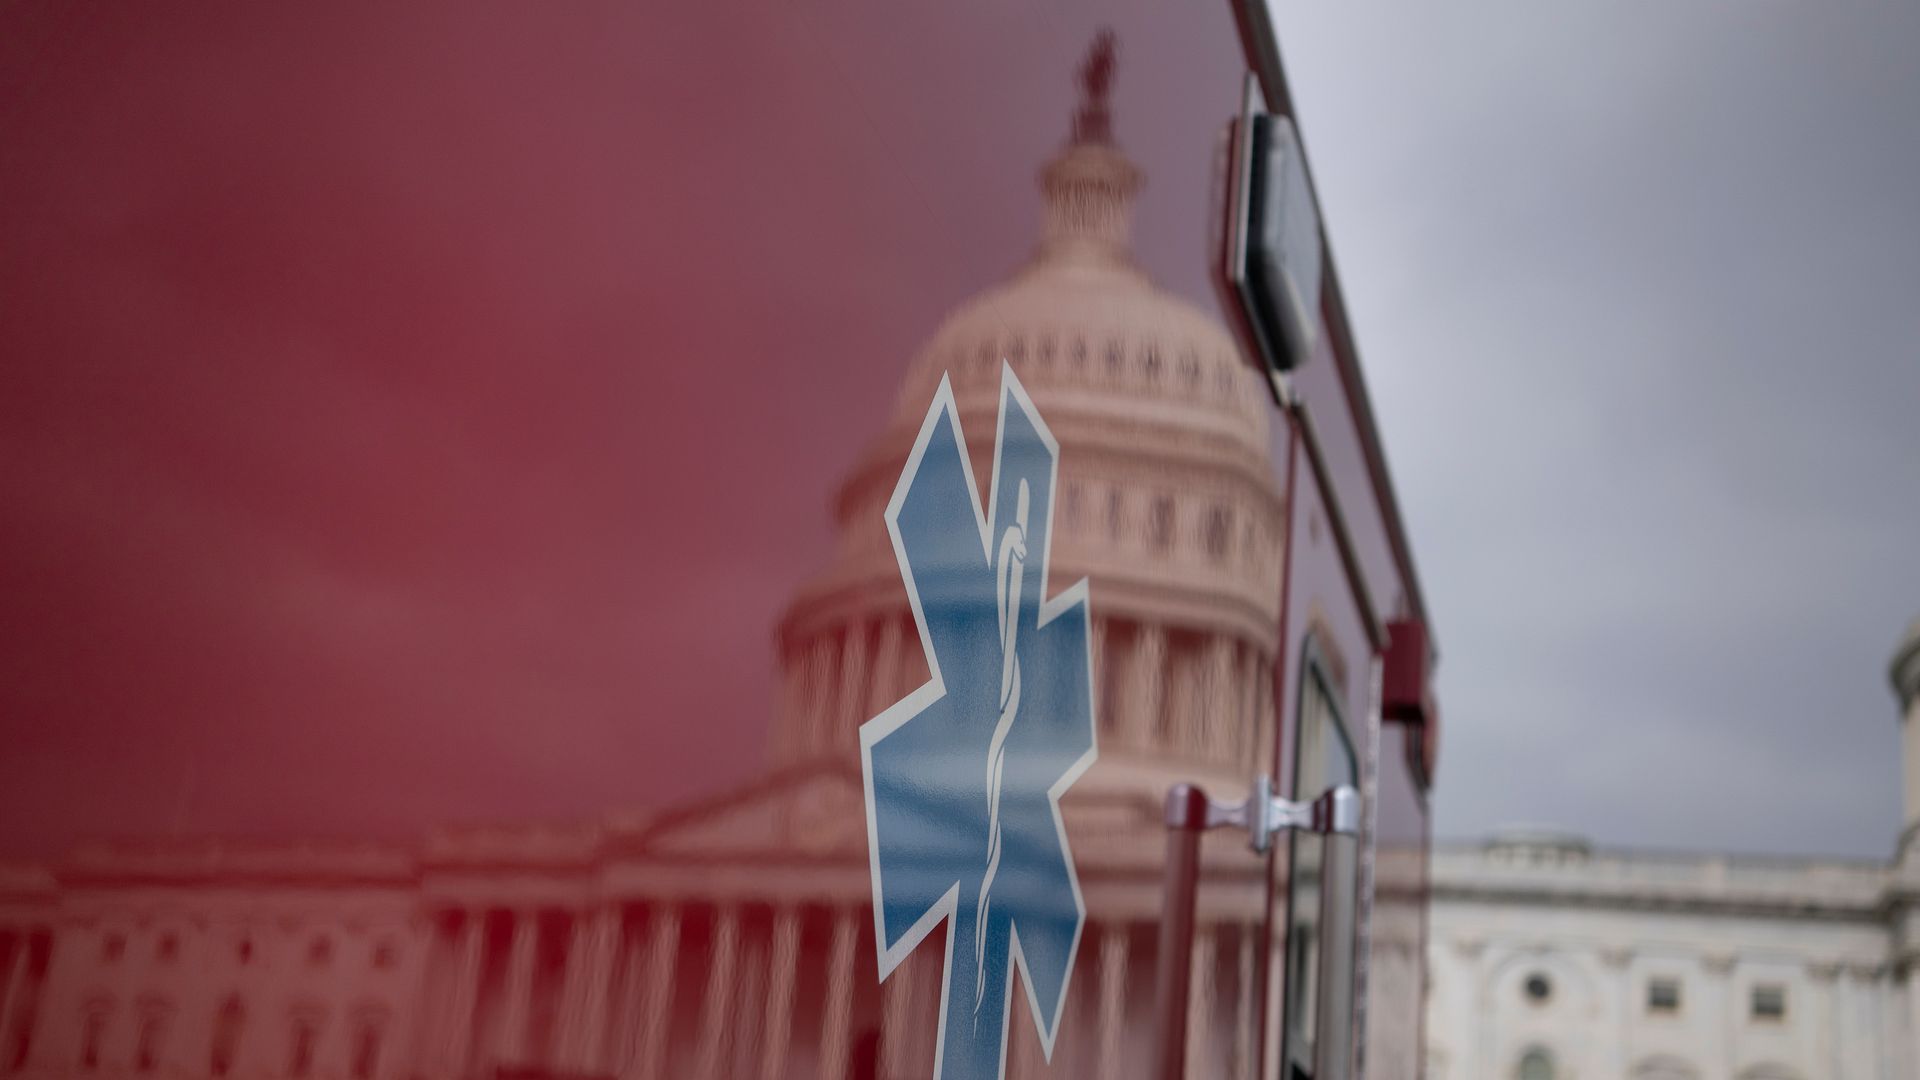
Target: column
[[53, 1046], [1200, 1002], [782, 970], [598, 1001], [1254, 681], [744, 1041], [464, 994], [517, 996], [1614, 964], [1263, 716], [793, 705], [573, 988], [413, 1047], [1183, 700], [123, 1027], [656, 993], [898, 1003], [1895, 1051], [1220, 697], [886, 666], [849, 711], [716, 1013], [1146, 686], [1861, 1046], [1113, 996], [589, 985], [1721, 1013], [621, 1042], [9, 996], [1473, 1001], [821, 670], [1889, 1019], [1824, 980], [837, 1018]]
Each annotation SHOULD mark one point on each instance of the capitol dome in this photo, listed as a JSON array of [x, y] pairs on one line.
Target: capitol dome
[[1088, 331], [1168, 503]]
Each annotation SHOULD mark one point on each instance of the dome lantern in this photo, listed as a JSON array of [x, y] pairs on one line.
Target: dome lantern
[[1090, 185]]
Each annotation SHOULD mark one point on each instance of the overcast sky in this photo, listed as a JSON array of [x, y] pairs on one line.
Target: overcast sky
[[415, 417], [1638, 286]]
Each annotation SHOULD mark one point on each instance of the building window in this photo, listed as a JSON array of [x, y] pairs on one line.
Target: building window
[[1072, 505], [1219, 532], [306, 1041], [386, 955], [153, 1036], [93, 1035], [1769, 1002], [228, 1025], [1663, 996], [1538, 988], [1536, 1064], [1160, 524], [366, 1050]]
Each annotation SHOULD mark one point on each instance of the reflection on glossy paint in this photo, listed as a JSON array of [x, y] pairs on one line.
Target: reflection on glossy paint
[[732, 935]]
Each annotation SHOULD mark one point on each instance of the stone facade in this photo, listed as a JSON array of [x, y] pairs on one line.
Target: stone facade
[[1548, 959]]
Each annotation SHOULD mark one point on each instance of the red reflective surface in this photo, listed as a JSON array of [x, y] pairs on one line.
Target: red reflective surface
[[444, 458]]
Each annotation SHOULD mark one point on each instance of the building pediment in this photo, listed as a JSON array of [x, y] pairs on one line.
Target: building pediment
[[810, 812]]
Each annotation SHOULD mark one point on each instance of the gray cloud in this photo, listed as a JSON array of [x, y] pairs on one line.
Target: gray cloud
[[1635, 288]]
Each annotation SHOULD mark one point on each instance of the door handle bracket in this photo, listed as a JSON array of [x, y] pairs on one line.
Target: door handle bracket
[[1263, 815]]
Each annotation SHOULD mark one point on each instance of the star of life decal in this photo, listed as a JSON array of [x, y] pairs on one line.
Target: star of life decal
[[964, 775]]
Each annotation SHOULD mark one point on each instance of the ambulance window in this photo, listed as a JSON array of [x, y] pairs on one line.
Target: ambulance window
[[1320, 890]]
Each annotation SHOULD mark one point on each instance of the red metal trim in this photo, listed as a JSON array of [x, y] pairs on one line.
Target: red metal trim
[[1404, 690], [1283, 648], [1360, 404], [1283, 655], [1356, 572]]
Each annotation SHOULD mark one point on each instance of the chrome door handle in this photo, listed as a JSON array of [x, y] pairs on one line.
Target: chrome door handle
[[1335, 812]]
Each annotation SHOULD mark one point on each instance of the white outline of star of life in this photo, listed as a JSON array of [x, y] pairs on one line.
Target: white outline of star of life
[[935, 688]]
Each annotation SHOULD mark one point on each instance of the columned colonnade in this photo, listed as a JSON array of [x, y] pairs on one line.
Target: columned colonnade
[[766, 991], [642, 990], [1203, 696]]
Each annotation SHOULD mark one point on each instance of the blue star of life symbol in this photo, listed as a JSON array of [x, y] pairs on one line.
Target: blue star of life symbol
[[964, 775]]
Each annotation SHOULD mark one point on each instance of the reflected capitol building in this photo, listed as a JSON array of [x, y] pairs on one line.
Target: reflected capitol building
[[733, 936]]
